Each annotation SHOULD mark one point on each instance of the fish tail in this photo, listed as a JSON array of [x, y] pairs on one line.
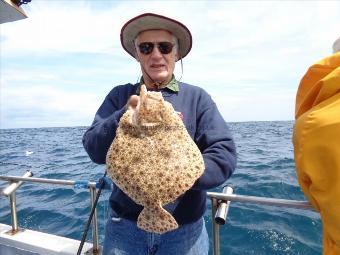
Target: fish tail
[[157, 220]]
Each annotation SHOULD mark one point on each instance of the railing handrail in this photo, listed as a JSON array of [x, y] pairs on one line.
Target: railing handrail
[[261, 200], [217, 198], [44, 180], [221, 196]]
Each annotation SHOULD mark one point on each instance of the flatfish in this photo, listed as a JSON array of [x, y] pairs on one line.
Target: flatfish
[[153, 159]]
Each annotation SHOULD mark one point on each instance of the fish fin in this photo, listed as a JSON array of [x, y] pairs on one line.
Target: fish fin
[[157, 220]]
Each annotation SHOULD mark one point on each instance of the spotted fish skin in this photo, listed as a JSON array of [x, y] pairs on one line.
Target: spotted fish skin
[[153, 159]]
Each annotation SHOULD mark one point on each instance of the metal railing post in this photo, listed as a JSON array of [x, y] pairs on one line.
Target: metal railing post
[[219, 211], [14, 218], [223, 207], [10, 192], [95, 237], [215, 228]]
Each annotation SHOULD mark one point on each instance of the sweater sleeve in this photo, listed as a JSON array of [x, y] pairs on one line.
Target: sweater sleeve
[[98, 138], [214, 140]]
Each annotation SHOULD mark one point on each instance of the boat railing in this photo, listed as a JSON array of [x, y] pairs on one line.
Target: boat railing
[[17, 181], [220, 203]]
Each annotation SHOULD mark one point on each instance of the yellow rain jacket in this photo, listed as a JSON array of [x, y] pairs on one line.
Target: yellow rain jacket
[[317, 145]]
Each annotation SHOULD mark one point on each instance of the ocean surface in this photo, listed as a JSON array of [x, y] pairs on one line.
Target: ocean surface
[[265, 168]]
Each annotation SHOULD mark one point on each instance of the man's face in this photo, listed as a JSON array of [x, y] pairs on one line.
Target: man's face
[[157, 66]]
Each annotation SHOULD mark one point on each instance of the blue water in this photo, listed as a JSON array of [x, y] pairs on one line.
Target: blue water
[[265, 168]]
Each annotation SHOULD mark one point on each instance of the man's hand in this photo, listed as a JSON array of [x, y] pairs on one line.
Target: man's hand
[[132, 105], [132, 102]]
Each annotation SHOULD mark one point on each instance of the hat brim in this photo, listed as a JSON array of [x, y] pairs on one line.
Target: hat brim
[[151, 21]]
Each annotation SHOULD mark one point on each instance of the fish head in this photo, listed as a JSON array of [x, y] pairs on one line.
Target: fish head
[[151, 108]]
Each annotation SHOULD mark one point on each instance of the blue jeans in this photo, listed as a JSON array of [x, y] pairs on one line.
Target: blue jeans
[[123, 237]]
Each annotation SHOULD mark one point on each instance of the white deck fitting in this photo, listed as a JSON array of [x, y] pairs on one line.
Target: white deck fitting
[[41, 243]]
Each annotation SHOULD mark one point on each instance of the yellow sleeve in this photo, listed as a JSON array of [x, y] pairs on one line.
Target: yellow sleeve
[[317, 156]]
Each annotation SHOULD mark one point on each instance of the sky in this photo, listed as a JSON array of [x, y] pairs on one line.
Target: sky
[[58, 65]]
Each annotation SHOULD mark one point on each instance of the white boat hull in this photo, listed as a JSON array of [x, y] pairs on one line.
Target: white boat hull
[[29, 242]]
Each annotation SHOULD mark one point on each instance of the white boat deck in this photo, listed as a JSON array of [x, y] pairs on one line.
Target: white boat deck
[[29, 242]]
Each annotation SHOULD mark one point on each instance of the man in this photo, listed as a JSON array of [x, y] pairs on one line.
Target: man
[[157, 42], [317, 143]]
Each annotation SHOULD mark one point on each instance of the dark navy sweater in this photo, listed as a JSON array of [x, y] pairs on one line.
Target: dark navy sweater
[[205, 126]]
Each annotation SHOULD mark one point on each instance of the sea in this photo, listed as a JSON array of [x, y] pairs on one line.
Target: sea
[[265, 168]]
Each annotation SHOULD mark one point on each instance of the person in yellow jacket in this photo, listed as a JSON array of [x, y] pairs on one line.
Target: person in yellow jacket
[[316, 141]]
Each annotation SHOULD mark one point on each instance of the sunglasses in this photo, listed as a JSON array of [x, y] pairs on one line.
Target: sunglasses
[[147, 47]]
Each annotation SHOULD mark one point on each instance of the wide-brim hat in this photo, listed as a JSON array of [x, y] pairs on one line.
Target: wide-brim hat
[[151, 21]]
